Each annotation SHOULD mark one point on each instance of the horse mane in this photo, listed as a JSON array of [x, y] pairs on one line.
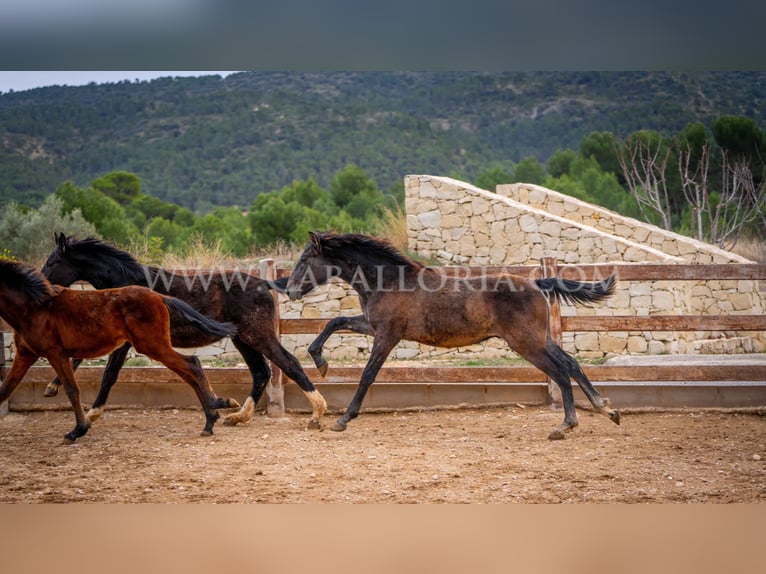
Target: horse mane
[[368, 247], [23, 277], [97, 250]]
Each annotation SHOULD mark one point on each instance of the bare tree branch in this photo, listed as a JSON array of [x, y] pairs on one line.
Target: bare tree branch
[[694, 184], [645, 172], [739, 203]]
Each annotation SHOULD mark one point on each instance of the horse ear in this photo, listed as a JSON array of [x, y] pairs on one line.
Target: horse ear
[[315, 242], [62, 241]]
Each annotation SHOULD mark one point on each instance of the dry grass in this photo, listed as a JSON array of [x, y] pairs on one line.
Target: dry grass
[[393, 227], [753, 249]]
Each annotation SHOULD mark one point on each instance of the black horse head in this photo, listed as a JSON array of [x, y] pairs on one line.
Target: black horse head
[[92, 260]]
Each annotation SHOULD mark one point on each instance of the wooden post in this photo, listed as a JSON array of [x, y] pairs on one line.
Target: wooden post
[[275, 392], [550, 270], [4, 406]]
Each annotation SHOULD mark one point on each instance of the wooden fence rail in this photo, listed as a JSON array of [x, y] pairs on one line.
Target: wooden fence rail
[[753, 375], [589, 272]]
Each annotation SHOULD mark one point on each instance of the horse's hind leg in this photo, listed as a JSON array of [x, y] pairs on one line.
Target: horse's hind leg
[[550, 360], [52, 388], [112, 369], [190, 371], [357, 324], [601, 404]]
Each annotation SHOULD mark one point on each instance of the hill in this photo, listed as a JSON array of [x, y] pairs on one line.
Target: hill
[[212, 141]]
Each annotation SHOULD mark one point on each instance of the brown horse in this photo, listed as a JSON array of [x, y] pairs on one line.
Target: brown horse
[[232, 296], [402, 299], [58, 323]]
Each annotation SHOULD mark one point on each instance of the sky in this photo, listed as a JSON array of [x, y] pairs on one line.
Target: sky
[[27, 80]]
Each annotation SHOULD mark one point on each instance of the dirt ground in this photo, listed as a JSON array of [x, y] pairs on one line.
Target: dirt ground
[[492, 455]]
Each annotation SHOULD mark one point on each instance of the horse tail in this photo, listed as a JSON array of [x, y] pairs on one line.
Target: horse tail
[[577, 291], [180, 310], [279, 285]]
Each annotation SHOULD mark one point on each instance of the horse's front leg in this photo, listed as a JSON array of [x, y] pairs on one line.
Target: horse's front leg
[[357, 324], [65, 373], [21, 363], [381, 347], [291, 367], [52, 389]]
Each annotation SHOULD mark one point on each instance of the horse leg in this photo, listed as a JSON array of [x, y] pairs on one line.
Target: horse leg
[[381, 347], [260, 372], [551, 360], [601, 404], [65, 373], [109, 377], [291, 367], [357, 324], [22, 360], [190, 370], [52, 389]]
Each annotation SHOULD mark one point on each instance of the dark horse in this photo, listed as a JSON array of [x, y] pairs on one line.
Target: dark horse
[[236, 297], [58, 324], [402, 299]]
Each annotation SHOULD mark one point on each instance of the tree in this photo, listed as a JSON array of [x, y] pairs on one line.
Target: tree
[[169, 232], [643, 158], [529, 170], [694, 154], [489, 179], [28, 233], [560, 162], [743, 140], [146, 207], [306, 192], [271, 219], [585, 180], [740, 202], [721, 208], [600, 146], [121, 186], [103, 212], [352, 189]]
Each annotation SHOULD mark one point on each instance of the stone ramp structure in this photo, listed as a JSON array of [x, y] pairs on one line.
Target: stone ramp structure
[[609, 222]]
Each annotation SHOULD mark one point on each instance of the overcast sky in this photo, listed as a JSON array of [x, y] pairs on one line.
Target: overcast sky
[[19, 81]]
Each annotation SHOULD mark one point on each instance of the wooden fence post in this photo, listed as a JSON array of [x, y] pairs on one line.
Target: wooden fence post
[[275, 392], [4, 406], [550, 270]]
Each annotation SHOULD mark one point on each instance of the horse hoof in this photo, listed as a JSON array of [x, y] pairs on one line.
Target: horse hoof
[[615, 417], [315, 425], [94, 414], [339, 426], [230, 422], [51, 391], [206, 433], [322, 368], [558, 434]]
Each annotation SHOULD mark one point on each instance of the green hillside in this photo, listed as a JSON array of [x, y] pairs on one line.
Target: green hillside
[[205, 142]]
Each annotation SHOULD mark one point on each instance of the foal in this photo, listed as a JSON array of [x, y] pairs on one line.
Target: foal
[[402, 299]]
